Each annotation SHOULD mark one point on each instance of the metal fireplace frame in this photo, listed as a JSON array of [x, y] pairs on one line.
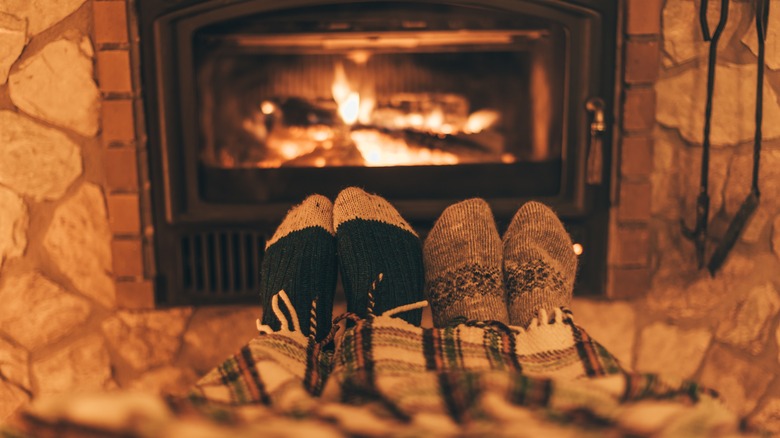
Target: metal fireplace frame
[[208, 252]]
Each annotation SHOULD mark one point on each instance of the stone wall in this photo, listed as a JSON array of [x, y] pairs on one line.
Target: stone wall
[[64, 324], [721, 330], [61, 326]]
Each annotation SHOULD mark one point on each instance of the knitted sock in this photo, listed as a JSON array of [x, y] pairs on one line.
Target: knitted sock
[[462, 255], [373, 239], [300, 259], [539, 263]]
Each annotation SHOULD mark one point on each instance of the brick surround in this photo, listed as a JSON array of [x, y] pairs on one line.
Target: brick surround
[[124, 143]]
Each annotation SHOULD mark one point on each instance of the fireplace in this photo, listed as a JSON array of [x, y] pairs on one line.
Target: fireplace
[[252, 105]]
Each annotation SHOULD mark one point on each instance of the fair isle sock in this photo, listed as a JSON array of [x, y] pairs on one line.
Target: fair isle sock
[[539, 263], [462, 256], [372, 239], [300, 259]]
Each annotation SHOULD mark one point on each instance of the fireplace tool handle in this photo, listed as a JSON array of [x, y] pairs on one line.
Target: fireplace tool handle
[[699, 233], [750, 203], [595, 160]]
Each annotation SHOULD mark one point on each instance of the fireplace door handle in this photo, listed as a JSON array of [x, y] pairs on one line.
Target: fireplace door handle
[[595, 160]]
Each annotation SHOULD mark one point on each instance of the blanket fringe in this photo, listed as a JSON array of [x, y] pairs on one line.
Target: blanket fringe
[[265, 329]]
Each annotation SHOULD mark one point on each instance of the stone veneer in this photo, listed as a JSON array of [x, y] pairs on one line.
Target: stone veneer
[[75, 303], [69, 206]]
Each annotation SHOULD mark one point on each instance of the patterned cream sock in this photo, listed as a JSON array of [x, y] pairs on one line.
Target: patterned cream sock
[[462, 256], [300, 259], [539, 263], [373, 239]]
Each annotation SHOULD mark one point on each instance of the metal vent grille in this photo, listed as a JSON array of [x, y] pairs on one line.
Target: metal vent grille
[[221, 264]]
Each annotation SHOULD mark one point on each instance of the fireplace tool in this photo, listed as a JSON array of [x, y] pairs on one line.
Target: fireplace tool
[[699, 233], [750, 203]]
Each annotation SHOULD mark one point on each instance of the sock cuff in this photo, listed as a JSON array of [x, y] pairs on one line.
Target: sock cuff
[[354, 203], [314, 211]]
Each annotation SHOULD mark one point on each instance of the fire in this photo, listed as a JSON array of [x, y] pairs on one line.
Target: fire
[[347, 99], [349, 108], [367, 105], [376, 148], [401, 129], [382, 150], [481, 120], [340, 88]]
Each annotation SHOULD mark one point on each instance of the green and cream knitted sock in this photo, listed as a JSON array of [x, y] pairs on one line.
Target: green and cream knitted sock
[[462, 256], [372, 239], [539, 263], [300, 259]]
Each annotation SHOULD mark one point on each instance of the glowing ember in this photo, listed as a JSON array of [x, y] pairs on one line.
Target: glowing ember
[[380, 150], [267, 107], [481, 120]]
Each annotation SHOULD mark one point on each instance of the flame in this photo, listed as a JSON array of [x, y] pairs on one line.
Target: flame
[[435, 120], [340, 88], [347, 100], [481, 120], [349, 108], [371, 144], [367, 105]]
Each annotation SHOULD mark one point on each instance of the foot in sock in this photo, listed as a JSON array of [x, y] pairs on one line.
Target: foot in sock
[[372, 239], [462, 256], [300, 259], [539, 263]]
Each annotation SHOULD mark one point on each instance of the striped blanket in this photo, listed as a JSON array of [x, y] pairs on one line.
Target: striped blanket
[[381, 376]]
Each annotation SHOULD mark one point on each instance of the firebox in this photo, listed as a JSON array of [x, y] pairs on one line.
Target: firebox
[[254, 104]]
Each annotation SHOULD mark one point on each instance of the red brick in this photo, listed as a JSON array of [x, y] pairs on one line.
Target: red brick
[[628, 282], [636, 156], [634, 202], [121, 169], [110, 19], [642, 62], [135, 294], [643, 17], [114, 71], [124, 214], [128, 257], [630, 247], [118, 121], [638, 109]]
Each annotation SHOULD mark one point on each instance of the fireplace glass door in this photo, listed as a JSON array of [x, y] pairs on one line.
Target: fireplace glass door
[[379, 85], [424, 86]]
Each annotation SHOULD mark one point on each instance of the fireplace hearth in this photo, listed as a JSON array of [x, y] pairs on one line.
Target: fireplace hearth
[[252, 105]]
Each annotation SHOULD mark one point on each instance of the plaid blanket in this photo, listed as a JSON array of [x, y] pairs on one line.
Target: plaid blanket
[[384, 377], [470, 375]]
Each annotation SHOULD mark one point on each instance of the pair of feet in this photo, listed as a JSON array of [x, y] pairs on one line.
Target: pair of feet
[[360, 233], [472, 272], [469, 272]]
